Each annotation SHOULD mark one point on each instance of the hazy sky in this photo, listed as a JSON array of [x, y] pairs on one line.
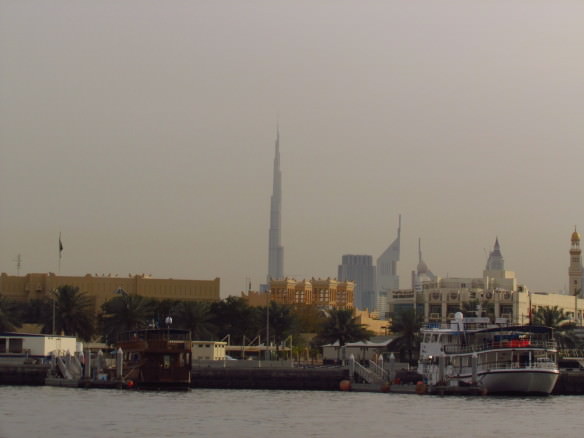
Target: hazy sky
[[144, 132]]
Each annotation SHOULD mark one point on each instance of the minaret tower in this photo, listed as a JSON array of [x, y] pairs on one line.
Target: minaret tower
[[275, 248], [575, 270]]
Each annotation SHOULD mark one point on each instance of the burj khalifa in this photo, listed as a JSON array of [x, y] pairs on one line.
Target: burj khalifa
[[275, 249]]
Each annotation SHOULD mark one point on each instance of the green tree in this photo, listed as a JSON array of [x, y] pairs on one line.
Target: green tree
[[73, 313], [341, 325], [233, 316], [406, 325], [125, 312], [282, 322], [10, 318], [195, 316], [308, 318], [163, 309], [556, 319], [37, 311]]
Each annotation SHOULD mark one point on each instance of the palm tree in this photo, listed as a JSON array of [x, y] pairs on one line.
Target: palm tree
[[563, 327], [308, 318], [9, 316], [73, 313], [235, 317], [125, 312], [406, 324], [281, 322], [37, 311], [195, 316], [341, 325], [163, 309]]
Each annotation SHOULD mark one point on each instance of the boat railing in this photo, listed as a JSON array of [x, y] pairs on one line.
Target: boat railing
[[155, 335], [475, 348], [508, 365]]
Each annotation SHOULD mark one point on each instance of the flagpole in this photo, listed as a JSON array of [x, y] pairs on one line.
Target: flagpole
[[58, 275], [60, 254]]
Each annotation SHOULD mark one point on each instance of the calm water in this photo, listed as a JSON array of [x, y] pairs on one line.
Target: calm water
[[61, 412]]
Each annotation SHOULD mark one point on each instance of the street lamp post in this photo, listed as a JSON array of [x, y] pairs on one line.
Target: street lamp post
[[54, 299], [268, 327]]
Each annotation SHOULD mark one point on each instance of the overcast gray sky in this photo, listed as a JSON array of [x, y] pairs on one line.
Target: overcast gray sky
[[144, 131]]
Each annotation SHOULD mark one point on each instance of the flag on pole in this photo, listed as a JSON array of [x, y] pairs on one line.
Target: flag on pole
[[60, 246]]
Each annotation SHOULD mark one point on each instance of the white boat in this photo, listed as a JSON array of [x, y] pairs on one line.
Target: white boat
[[498, 358]]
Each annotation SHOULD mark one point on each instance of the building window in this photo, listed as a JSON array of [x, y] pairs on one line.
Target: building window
[[15, 345], [2, 345]]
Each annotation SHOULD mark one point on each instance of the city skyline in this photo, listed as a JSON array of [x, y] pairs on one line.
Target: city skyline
[[143, 133]]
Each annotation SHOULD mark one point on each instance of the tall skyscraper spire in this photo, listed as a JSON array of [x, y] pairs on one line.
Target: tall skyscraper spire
[[495, 261], [387, 278], [275, 249]]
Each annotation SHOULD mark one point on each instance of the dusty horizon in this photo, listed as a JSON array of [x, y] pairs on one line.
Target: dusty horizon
[[144, 133]]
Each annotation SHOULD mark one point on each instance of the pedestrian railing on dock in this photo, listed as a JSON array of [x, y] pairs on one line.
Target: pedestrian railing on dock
[[572, 353], [372, 374]]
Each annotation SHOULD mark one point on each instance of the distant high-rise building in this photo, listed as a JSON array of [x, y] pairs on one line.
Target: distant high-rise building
[[496, 261], [575, 269], [387, 278], [360, 270], [495, 275], [422, 272], [275, 248]]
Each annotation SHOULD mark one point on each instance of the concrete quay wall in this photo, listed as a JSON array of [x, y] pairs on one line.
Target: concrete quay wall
[[569, 383], [269, 378], [23, 374]]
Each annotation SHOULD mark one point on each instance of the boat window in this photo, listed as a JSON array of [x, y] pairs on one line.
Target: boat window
[[15, 345], [434, 338], [2, 345]]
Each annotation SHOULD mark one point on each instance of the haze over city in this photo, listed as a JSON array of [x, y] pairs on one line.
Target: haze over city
[[144, 132]]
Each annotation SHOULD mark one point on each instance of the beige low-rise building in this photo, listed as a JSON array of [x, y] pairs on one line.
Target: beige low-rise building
[[326, 293], [18, 347], [208, 350], [497, 293], [102, 288]]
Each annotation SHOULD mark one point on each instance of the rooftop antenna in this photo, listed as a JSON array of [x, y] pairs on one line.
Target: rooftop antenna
[[18, 261]]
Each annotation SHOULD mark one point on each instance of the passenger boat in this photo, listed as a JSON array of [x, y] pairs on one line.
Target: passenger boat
[[498, 358], [157, 358]]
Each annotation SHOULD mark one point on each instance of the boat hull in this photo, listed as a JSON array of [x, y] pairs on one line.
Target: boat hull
[[527, 382]]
